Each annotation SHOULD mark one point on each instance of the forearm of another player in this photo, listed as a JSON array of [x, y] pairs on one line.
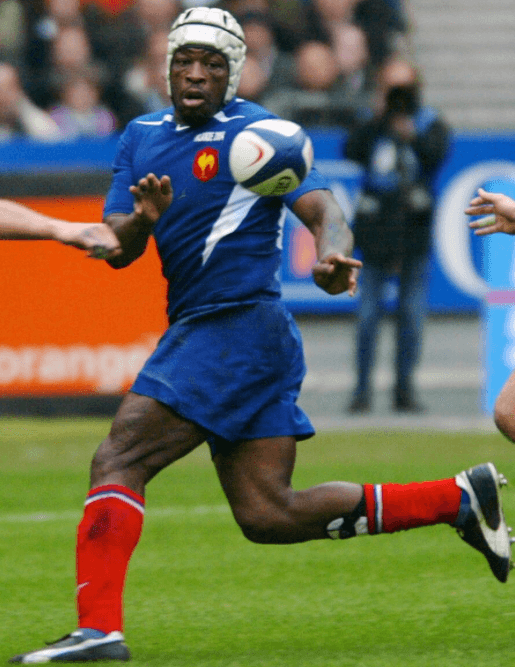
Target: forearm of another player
[[17, 222], [133, 233]]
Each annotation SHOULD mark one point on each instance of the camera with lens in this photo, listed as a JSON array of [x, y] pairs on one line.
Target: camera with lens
[[403, 100]]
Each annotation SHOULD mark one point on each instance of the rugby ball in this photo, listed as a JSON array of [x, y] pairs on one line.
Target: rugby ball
[[271, 157]]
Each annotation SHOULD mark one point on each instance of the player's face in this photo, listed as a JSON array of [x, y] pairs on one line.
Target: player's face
[[199, 79]]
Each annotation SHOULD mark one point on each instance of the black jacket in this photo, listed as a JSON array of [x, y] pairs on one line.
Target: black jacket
[[394, 215]]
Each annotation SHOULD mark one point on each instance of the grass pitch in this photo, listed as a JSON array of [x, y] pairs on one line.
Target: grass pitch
[[199, 595]]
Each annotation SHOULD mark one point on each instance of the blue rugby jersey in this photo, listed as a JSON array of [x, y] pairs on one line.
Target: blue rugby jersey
[[219, 243]]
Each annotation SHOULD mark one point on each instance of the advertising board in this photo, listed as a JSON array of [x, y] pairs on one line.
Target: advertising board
[[72, 326]]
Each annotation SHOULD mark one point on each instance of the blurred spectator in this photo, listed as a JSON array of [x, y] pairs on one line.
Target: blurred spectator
[[294, 23], [321, 94], [64, 12], [329, 16], [254, 81], [12, 31], [395, 72], [401, 149], [316, 66], [235, 7], [349, 43], [118, 41], [333, 12], [337, 28], [332, 22], [18, 115], [125, 38], [146, 82], [109, 7], [259, 36], [115, 32], [157, 15], [266, 69], [44, 19], [80, 113], [70, 51], [290, 19], [387, 27]]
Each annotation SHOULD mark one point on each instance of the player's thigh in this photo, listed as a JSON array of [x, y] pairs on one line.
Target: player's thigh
[[148, 434], [256, 474]]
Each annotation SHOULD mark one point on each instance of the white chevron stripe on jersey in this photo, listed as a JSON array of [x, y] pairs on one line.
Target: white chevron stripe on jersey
[[225, 119], [167, 118], [280, 223], [231, 216]]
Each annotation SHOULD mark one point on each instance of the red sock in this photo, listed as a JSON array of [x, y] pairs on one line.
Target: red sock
[[392, 507], [106, 537]]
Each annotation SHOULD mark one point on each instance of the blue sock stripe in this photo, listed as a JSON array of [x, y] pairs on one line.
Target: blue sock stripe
[[464, 509]]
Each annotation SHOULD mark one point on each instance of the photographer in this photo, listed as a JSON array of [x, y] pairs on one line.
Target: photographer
[[400, 148]]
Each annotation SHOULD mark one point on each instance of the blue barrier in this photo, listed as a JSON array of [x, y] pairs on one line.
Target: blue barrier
[[24, 155], [457, 283]]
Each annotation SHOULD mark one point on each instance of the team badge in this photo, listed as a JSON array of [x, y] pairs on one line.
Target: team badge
[[205, 164]]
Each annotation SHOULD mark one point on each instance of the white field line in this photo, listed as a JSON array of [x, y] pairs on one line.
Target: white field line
[[158, 512]]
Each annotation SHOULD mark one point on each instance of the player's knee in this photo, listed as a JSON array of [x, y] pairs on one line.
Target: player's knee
[[119, 453], [105, 461], [265, 527]]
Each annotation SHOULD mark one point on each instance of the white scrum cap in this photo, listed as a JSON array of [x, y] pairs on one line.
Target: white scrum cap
[[214, 28]]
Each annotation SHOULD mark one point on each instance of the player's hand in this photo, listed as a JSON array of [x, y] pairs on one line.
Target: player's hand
[[499, 210], [152, 196], [336, 274], [97, 239]]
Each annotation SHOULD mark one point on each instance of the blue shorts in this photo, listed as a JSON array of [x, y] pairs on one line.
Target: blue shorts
[[236, 372]]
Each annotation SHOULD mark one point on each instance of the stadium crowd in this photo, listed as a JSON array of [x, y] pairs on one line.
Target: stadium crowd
[[84, 68]]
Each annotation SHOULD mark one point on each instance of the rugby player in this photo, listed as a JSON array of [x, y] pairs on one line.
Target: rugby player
[[229, 368]]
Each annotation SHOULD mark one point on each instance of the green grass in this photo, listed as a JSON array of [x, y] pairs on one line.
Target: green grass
[[199, 595]]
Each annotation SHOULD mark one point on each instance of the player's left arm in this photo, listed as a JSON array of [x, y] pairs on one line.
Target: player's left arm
[[335, 271], [152, 196], [18, 222]]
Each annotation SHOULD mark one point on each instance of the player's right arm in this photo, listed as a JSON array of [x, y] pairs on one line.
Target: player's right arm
[[152, 196], [500, 212]]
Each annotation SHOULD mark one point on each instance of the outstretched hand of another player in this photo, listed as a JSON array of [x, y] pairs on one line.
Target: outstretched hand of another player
[[99, 240], [152, 196], [499, 210], [19, 222], [336, 274]]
